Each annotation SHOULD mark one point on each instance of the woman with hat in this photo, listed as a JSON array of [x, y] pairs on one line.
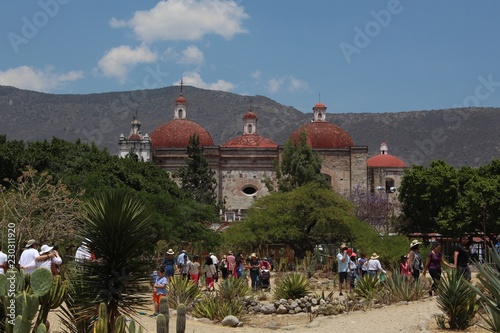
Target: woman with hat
[[169, 263], [373, 266], [46, 258], [254, 268], [415, 259]]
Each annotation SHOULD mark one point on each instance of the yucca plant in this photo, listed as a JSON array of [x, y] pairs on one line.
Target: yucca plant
[[181, 291], [292, 286], [369, 287], [214, 307], [457, 300], [402, 289], [233, 287], [489, 291], [118, 230]]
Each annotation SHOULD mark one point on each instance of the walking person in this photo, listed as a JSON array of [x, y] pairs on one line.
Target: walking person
[[194, 270], [209, 271], [461, 257], [373, 266], [415, 259], [433, 264], [169, 263], [160, 289], [215, 260], [362, 270], [342, 267], [254, 268]]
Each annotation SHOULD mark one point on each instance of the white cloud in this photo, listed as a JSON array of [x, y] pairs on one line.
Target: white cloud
[[186, 20], [256, 75], [290, 83], [118, 61], [191, 55], [194, 79], [46, 80]]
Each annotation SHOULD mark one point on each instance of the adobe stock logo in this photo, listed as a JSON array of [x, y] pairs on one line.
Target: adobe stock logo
[[363, 37], [31, 27]]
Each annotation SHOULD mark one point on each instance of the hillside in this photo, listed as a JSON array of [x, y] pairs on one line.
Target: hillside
[[467, 136]]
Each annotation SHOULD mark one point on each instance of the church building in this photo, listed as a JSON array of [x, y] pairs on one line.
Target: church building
[[244, 163]]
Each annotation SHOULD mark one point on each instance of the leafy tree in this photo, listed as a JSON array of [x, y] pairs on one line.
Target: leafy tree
[[426, 192], [301, 218], [299, 165], [118, 230], [40, 208], [197, 178]]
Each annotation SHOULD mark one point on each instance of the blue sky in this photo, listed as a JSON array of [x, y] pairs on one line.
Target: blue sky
[[355, 56]]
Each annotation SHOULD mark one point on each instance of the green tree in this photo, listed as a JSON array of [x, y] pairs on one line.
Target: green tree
[[425, 193], [197, 178], [301, 218], [118, 230], [299, 165]]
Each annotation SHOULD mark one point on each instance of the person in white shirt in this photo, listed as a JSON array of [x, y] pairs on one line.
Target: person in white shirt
[[216, 265], [3, 262], [373, 266], [82, 254], [27, 261], [46, 258]]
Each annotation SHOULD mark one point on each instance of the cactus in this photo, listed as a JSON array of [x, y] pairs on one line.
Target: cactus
[[161, 324], [132, 329], [164, 308], [41, 329], [101, 325], [53, 299], [181, 318], [41, 281]]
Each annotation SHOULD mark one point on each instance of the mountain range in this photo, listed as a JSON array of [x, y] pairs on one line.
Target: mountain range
[[459, 136]]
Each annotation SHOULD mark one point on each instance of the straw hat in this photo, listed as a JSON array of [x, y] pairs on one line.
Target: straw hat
[[170, 251], [374, 256], [31, 242], [254, 255], [414, 243]]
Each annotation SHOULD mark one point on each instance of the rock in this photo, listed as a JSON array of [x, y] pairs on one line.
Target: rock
[[269, 308], [293, 305], [281, 310], [230, 321]]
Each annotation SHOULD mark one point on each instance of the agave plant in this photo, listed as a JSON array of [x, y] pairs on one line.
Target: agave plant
[[117, 230], [233, 287], [181, 291], [457, 300], [489, 294], [292, 286], [402, 289], [214, 307], [369, 287]]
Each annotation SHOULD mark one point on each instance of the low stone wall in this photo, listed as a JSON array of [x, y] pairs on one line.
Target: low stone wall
[[307, 304]]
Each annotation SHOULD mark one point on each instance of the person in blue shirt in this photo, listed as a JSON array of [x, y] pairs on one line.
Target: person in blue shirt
[[160, 289]]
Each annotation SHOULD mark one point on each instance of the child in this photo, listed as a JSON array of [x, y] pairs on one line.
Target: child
[[160, 289], [403, 267], [194, 270], [209, 270]]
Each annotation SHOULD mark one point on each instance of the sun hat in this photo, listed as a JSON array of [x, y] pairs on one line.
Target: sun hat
[[349, 251], [31, 242], [353, 254], [253, 255], [170, 251], [414, 243], [45, 248], [374, 256]]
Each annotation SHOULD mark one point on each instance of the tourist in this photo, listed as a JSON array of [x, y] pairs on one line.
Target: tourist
[[223, 267], [353, 269], [185, 267], [362, 270], [160, 287], [231, 262], [404, 269], [373, 266], [3, 262], [239, 266], [254, 268], [433, 264], [180, 259], [343, 266], [27, 261], [209, 271], [415, 259], [46, 259], [461, 258], [194, 270], [169, 263], [215, 260]]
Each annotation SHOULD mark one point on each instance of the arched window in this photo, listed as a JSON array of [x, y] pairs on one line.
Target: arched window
[[249, 190]]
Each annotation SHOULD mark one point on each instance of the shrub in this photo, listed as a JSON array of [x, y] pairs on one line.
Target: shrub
[[457, 300], [181, 291], [403, 289], [214, 307], [369, 287], [291, 286], [233, 287]]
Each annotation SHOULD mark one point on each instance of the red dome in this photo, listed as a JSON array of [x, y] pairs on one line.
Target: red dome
[[249, 115], [324, 135], [135, 137], [176, 134], [385, 161], [180, 100], [250, 140], [319, 105]]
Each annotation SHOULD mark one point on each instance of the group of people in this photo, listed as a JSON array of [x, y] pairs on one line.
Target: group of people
[[350, 268], [47, 257]]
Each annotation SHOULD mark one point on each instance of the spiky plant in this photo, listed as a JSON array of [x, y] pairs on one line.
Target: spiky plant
[[402, 289], [181, 291], [489, 293], [369, 287], [233, 287], [457, 300], [292, 286], [117, 229], [214, 307]]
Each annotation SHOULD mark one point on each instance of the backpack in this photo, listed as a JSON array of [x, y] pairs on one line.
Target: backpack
[[417, 261]]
